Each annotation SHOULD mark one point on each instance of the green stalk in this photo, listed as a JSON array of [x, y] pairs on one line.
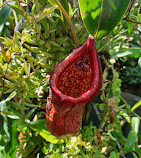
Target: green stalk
[[69, 20]]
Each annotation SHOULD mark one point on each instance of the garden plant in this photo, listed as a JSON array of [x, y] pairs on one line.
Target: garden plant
[[63, 67]]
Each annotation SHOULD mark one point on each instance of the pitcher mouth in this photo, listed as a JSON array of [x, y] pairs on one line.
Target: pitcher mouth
[[86, 48]]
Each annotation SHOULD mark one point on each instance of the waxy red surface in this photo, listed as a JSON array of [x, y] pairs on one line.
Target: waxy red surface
[[74, 82]]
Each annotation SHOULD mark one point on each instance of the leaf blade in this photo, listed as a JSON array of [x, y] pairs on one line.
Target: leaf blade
[[41, 127], [111, 13]]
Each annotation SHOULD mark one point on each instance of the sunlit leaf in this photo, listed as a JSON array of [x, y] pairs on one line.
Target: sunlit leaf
[[134, 52], [136, 105], [135, 121], [8, 42], [111, 13], [18, 34], [41, 127], [139, 62], [35, 50], [20, 11], [6, 54], [12, 95], [53, 2], [12, 75], [1, 71], [1, 27], [25, 67], [46, 12], [125, 116]]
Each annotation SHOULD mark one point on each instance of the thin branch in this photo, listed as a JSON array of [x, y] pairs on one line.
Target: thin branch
[[4, 4], [103, 118], [9, 1], [69, 20], [133, 21], [129, 8], [124, 101], [128, 11]]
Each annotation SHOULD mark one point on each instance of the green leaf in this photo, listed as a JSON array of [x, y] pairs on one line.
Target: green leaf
[[112, 12], [134, 52], [53, 2], [113, 154], [46, 12], [18, 34], [35, 50], [139, 62], [117, 135], [30, 105], [30, 112], [26, 24], [25, 67], [1, 27], [12, 95], [20, 11], [16, 112], [124, 115], [1, 71], [137, 150], [5, 12], [41, 127], [136, 105], [53, 43], [19, 106], [1, 154], [3, 105], [135, 121], [130, 143], [11, 147]]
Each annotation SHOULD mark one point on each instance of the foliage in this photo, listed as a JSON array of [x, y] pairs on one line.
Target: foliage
[[42, 38], [109, 12]]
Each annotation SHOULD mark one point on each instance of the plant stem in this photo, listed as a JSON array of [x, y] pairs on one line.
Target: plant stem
[[125, 102], [69, 20], [130, 7], [103, 118], [95, 35], [133, 21]]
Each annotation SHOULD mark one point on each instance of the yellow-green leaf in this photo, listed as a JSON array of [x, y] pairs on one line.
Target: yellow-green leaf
[[20, 11], [41, 127], [6, 54], [53, 2], [35, 50], [25, 67], [136, 105], [46, 12], [12, 75]]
